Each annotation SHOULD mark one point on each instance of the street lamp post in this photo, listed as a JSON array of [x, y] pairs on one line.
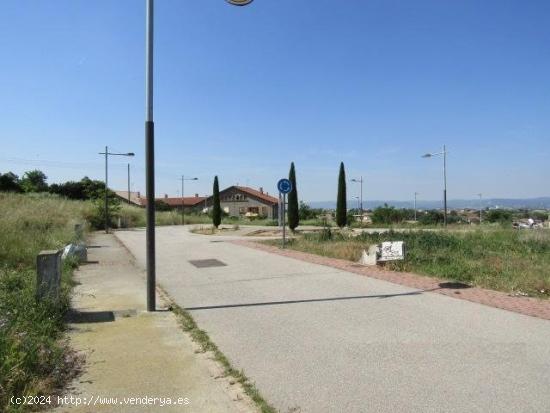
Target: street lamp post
[[107, 153], [183, 179], [128, 183], [444, 154], [480, 207], [415, 194], [150, 149], [360, 181]]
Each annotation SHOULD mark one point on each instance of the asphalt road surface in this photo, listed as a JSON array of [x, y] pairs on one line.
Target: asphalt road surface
[[318, 339]]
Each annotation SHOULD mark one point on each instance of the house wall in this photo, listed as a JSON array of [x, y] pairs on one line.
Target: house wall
[[237, 203]]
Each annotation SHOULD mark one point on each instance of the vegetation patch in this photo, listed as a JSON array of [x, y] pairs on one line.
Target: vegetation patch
[[34, 357], [211, 230], [500, 259]]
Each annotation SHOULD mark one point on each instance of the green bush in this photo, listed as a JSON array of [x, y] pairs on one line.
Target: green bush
[[499, 215]]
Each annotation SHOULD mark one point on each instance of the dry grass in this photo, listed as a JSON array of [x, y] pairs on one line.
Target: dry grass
[[34, 360], [30, 223], [500, 259]]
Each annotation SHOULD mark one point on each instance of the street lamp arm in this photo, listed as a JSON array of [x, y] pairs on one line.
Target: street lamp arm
[[117, 154]]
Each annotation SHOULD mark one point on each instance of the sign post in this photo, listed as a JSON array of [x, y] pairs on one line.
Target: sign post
[[284, 186]]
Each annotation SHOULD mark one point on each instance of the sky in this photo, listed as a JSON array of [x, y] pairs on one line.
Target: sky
[[240, 92]]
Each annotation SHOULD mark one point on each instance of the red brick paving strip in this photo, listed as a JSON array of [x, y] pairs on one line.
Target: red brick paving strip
[[524, 305]]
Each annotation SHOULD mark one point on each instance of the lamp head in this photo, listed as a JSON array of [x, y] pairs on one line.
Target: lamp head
[[130, 154], [239, 2], [428, 155]]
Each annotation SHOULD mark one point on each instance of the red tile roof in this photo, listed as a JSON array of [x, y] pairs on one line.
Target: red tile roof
[[176, 202], [187, 201], [261, 195]]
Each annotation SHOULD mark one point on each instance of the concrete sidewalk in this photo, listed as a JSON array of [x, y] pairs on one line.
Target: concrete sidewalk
[[134, 354]]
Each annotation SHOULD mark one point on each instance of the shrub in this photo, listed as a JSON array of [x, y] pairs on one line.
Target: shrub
[[499, 215]]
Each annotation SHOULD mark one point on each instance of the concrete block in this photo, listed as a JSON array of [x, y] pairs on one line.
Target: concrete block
[[369, 257], [48, 274], [75, 250]]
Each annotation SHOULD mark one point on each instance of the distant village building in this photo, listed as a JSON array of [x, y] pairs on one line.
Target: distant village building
[[134, 197], [242, 201], [236, 201], [190, 203]]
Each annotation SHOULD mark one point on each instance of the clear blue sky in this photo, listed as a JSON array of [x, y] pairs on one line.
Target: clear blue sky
[[240, 92]]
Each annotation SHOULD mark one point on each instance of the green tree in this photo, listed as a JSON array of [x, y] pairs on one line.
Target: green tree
[[389, 215], [306, 212], [10, 182], [341, 202], [293, 212], [83, 189], [97, 219], [92, 188], [34, 181], [431, 217], [499, 215], [216, 207]]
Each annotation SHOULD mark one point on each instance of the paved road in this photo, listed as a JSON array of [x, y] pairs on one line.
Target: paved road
[[325, 340]]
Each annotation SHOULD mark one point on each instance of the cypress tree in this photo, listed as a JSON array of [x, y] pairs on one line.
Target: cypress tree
[[216, 207], [293, 215], [341, 207]]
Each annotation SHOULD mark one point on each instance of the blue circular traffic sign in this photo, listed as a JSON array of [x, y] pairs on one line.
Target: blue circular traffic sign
[[284, 186]]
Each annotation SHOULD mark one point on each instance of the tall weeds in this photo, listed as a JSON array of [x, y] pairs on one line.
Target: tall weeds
[[34, 360], [501, 259]]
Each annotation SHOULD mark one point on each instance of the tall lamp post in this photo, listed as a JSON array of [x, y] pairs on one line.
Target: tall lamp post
[[415, 194], [444, 154], [183, 179], [360, 181], [107, 153], [480, 207], [128, 183], [150, 149]]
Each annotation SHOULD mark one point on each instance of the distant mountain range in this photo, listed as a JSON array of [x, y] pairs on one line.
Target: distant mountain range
[[530, 203]]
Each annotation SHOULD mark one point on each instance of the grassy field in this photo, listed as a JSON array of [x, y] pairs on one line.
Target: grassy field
[[34, 359], [500, 259]]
